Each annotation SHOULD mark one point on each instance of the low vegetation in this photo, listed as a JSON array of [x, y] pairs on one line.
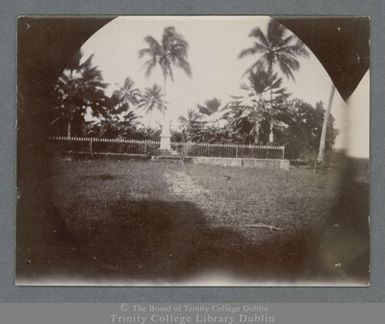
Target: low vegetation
[[122, 220]]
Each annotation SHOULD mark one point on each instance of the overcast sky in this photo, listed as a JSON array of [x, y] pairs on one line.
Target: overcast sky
[[215, 43]]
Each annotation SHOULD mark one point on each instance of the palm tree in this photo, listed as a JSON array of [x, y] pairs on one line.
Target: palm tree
[[268, 90], [190, 125], [127, 127], [126, 96], [210, 116], [113, 127], [192, 116], [152, 99], [243, 120], [275, 50], [264, 95], [80, 87], [170, 52]]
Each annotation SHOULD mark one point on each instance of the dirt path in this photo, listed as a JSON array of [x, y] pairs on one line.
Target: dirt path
[[181, 184]]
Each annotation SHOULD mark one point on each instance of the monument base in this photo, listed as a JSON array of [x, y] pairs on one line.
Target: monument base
[[165, 143]]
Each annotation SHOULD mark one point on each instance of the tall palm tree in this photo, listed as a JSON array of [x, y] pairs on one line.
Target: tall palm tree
[[152, 99], [275, 51], [170, 52]]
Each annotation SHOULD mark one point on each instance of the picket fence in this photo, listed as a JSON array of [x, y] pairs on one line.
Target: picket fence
[[88, 145]]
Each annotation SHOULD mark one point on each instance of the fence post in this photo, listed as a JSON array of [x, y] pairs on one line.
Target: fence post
[[283, 152], [236, 150], [145, 147], [91, 145]]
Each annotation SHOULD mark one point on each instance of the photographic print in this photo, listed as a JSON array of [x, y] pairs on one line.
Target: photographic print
[[193, 151]]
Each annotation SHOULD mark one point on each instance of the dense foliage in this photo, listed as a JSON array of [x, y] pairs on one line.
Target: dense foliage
[[79, 91], [262, 113]]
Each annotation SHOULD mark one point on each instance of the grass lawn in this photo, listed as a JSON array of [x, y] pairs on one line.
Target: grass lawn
[[141, 221], [292, 200]]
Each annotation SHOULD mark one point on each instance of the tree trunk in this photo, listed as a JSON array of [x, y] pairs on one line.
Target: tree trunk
[[271, 122], [165, 134], [164, 100], [271, 134], [321, 152], [69, 129], [259, 102], [256, 133], [149, 121]]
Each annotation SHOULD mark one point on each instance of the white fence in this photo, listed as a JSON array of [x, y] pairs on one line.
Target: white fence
[[146, 147]]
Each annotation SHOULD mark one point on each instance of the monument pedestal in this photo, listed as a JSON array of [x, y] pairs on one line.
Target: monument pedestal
[[165, 143], [165, 137]]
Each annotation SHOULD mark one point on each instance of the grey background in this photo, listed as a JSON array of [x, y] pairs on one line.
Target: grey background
[[10, 10], [101, 313]]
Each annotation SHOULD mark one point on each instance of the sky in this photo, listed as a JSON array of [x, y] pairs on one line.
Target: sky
[[214, 46]]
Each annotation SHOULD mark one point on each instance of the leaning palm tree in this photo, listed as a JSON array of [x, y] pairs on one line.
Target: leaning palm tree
[[322, 145], [170, 52], [275, 51], [151, 99]]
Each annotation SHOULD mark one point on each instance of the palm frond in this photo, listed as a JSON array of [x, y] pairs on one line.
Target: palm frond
[[275, 32], [151, 99], [290, 60], [276, 83], [75, 61], [170, 52], [277, 48], [284, 42], [185, 66], [128, 83], [286, 70], [259, 35], [182, 120], [149, 66], [258, 65], [299, 49], [145, 51], [87, 63], [152, 43], [247, 52]]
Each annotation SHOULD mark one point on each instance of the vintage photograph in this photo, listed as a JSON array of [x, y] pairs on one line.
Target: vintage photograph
[[193, 151]]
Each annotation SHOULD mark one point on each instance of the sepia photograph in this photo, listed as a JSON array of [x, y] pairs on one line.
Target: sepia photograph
[[193, 151]]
